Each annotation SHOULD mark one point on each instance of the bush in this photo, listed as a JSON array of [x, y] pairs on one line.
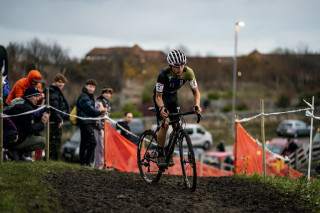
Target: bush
[[217, 95], [283, 101], [128, 107], [147, 92], [213, 96], [227, 108], [308, 97], [242, 107]]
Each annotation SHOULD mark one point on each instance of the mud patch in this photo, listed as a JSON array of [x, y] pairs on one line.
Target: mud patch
[[90, 190]]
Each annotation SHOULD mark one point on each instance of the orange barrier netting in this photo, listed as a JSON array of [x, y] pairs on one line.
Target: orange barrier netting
[[248, 158], [121, 154]]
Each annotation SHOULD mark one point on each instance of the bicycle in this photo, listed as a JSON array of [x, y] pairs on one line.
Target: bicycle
[[147, 153]]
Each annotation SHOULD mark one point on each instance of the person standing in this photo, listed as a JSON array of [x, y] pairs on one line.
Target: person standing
[[6, 89], [125, 124], [58, 101], [220, 147], [103, 99], [318, 169], [4, 71], [86, 108]]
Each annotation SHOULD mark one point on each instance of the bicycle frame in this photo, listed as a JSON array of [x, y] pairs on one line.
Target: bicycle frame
[[174, 139], [147, 155]]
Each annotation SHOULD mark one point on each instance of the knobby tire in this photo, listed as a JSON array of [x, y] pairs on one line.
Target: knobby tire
[[188, 162], [147, 157]]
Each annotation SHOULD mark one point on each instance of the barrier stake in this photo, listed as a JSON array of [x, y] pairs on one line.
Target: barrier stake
[[105, 144], [1, 122], [263, 138], [288, 174], [310, 139], [48, 126], [236, 147]]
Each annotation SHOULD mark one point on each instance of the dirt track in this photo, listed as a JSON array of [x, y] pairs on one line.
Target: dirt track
[[93, 190]]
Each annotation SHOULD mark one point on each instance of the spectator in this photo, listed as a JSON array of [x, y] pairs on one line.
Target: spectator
[[99, 131], [33, 79], [86, 108], [206, 104], [10, 133], [220, 147], [28, 125], [6, 89], [125, 124], [4, 70], [3, 61], [291, 147], [318, 169], [58, 101]]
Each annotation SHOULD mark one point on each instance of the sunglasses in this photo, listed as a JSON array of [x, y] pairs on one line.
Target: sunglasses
[[179, 64], [108, 90]]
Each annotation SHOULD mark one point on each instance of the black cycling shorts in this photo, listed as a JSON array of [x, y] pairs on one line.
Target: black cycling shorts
[[170, 101]]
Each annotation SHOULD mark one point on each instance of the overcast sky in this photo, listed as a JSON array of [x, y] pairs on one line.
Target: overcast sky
[[203, 27]]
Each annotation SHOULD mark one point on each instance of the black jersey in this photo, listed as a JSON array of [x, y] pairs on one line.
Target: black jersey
[[168, 82]]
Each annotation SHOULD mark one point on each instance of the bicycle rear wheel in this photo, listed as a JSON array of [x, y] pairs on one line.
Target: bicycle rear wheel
[[147, 157], [188, 162]]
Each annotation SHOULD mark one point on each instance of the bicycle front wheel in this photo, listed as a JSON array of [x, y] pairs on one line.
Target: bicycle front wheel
[[147, 157], [188, 162]]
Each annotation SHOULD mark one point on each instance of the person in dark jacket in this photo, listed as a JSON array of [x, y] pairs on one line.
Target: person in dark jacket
[[318, 169], [58, 101], [86, 109], [10, 133], [29, 125], [291, 147], [6, 89], [220, 147], [125, 124]]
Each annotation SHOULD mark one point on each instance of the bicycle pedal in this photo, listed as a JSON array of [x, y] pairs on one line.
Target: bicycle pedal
[[171, 164], [162, 164]]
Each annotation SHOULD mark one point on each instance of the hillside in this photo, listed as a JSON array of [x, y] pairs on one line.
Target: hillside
[[132, 70], [61, 187]]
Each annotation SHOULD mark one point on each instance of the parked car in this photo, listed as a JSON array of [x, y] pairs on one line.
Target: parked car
[[278, 145], [136, 127], [198, 135], [198, 153], [70, 150], [293, 128], [220, 160], [316, 145]]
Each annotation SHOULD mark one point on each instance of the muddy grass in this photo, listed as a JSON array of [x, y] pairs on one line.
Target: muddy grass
[[98, 191]]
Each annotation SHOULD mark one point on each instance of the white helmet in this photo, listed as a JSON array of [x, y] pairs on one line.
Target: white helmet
[[176, 58]]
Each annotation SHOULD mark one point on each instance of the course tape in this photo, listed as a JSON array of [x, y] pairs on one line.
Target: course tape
[[278, 113], [271, 113], [25, 113], [309, 114], [96, 119], [82, 118]]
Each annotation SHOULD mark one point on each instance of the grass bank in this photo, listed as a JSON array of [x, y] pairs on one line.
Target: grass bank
[[23, 186], [307, 192], [23, 189]]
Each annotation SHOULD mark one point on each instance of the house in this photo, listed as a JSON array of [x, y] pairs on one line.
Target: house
[[114, 52]]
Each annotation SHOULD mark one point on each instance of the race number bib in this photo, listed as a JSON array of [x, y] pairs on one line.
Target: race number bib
[[159, 87], [193, 84]]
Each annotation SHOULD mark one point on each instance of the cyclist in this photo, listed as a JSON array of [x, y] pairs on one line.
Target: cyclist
[[165, 97]]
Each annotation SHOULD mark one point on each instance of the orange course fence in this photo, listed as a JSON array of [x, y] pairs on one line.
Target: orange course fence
[[248, 158], [121, 154]]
